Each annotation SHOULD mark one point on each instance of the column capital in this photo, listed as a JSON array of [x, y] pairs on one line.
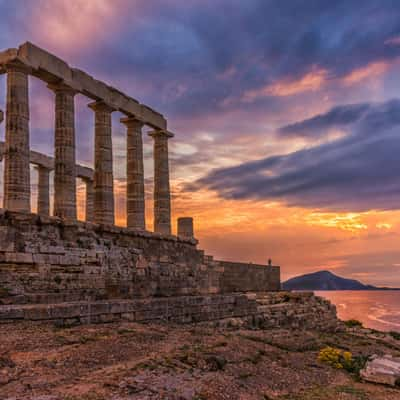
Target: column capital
[[17, 66], [132, 121], [101, 105], [86, 179], [41, 167], [158, 133], [62, 87]]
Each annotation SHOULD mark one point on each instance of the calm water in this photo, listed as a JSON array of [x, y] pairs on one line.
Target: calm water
[[375, 309]]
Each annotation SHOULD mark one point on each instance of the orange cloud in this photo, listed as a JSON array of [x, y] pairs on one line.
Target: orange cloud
[[345, 221], [311, 81], [369, 71], [384, 225], [315, 80]]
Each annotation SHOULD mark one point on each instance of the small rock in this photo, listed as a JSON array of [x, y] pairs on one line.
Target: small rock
[[385, 370], [216, 363], [6, 362]]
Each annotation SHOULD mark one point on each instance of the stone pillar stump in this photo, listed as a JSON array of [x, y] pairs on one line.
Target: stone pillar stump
[[185, 227]]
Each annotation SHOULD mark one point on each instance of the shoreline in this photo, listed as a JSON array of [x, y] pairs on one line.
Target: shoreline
[[375, 309]]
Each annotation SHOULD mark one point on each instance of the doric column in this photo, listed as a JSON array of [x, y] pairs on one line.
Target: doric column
[[162, 196], [43, 199], [64, 153], [103, 165], [89, 200], [17, 191], [135, 203], [1, 120]]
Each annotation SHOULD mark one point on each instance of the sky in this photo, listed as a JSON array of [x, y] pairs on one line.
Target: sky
[[286, 116]]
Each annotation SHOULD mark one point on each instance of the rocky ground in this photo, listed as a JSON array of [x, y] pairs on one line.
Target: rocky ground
[[131, 361]]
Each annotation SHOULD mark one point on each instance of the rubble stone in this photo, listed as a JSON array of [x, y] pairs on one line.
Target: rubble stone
[[385, 370]]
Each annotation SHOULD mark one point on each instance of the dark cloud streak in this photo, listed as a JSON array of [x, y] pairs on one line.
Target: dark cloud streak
[[340, 116], [356, 173]]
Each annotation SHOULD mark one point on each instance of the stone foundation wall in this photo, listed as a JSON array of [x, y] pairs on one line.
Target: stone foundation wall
[[235, 277], [47, 260], [265, 310]]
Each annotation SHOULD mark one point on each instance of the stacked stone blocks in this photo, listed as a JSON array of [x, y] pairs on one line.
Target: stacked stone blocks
[[43, 259]]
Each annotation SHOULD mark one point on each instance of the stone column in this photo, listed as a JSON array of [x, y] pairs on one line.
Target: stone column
[[89, 200], [17, 190], [103, 165], [43, 199], [162, 196], [1, 120], [185, 227], [135, 203], [64, 153]]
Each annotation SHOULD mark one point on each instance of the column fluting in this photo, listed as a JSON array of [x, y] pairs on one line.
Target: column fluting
[[89, 200], [162, 195], [17, 191], [103, 165], [64, 153], [135, 194], [43, 199]]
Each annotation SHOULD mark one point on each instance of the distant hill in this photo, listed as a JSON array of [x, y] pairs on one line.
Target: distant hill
[[325, 280]]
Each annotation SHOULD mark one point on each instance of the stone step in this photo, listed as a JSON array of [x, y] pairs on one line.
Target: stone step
[[45, 298], [179, 309], [311, 312]]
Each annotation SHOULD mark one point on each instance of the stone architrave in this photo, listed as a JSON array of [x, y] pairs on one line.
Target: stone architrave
[[162, 195], [103, 204], [64, 153], [43, 199], [135, 201], [17, 191]]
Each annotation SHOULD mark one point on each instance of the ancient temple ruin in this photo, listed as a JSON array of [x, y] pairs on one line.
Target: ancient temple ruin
[[69, 271]]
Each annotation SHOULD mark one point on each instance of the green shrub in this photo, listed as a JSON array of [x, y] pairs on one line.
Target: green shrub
[[395, 335], [353, 323], [4, 292]]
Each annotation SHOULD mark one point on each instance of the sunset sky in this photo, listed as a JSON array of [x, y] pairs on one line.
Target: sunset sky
[[286, 115]]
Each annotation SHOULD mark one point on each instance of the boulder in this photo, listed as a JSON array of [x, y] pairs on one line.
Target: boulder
[[385, 370]]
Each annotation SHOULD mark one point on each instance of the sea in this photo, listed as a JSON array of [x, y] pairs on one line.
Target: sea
[[376, 309]]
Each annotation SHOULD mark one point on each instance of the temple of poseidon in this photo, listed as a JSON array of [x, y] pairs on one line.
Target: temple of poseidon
[[56, 268]]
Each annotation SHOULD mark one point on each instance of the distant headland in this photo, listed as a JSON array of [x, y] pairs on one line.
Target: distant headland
[[326, 280]]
